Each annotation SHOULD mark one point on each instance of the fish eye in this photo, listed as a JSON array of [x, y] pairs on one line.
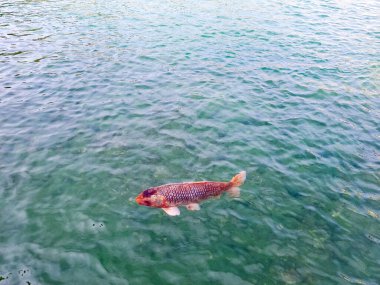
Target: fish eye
[[148, 192]]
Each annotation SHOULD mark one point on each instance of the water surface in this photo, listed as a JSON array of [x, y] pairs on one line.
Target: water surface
[[101, 99]]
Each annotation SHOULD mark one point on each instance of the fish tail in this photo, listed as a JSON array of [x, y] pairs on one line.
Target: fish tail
[[238, 179]]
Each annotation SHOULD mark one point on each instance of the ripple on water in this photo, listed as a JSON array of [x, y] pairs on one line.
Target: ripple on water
[[101, 100]]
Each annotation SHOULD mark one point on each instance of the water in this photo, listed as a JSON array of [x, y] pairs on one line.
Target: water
[[102, 99]]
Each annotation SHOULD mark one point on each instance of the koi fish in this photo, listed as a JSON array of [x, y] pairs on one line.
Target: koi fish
[[169, 196]]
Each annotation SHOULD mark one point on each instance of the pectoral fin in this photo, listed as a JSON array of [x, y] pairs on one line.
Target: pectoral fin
[[234, 192], [193, 207], [172, 211]]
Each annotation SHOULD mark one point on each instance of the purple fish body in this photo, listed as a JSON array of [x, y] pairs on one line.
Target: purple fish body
[[169, 196]]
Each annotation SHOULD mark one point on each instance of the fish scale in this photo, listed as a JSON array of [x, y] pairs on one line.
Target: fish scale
[[191, 192]]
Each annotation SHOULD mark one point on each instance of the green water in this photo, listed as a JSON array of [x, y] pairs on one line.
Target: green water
[[102, 99]]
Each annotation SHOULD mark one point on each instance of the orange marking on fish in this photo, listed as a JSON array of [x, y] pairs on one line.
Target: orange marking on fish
[[189, 194]]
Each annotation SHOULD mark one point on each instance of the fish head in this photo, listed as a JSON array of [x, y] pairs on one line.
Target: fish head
[[151, 198]]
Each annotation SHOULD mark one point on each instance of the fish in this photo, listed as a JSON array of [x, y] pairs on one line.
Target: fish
[[189, 194]]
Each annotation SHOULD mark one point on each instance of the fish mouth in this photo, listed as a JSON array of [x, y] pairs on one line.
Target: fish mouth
[[139, 199]]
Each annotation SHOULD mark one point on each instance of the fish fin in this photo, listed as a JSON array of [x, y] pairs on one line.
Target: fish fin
[[172, 211], [234, 192], [193, 207], [238, 179]]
